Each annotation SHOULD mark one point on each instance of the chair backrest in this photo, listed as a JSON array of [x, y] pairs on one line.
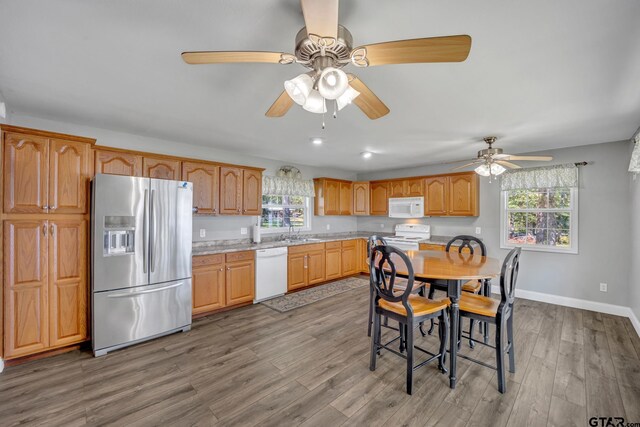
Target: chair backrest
[[466, 243], [373, 242], [509, 276], [383, 274]]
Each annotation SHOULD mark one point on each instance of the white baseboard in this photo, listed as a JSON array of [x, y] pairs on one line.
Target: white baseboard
[[601, 307]]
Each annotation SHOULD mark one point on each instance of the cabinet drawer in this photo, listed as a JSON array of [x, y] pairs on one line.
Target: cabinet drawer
[[348, 244], [306, 248], [240, 256], [332, 245], [200, 260]]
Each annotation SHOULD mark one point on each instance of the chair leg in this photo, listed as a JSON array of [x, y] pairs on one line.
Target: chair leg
[[485, 328], [471, 325], [443, 329], [432, 290], [502, 387], [421, 293], [371, 303], [403, 337], [512, 351], [375, 341], [409, 330]]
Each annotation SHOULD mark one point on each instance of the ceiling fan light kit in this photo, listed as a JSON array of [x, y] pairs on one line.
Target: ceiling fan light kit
[[325, 47], [488, 170]]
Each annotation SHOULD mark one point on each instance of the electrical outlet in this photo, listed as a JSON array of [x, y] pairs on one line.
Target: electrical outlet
[[381, 225], [328, 226], [603, 287], [478, 230], [203, 232], [243, 230]]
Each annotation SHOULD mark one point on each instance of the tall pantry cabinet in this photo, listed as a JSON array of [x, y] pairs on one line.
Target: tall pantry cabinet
[[45, 226]]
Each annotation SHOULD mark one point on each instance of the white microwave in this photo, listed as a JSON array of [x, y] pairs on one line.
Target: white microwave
[[406, 207]]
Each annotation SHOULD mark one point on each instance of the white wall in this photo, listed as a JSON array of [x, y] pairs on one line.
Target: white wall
[[604, 226], [217, 228], [634, 274]]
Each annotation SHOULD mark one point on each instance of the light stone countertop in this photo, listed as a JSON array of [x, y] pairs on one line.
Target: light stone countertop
[[226, 246]]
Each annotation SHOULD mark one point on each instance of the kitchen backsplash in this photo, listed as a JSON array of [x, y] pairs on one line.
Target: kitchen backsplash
[[229, 227]]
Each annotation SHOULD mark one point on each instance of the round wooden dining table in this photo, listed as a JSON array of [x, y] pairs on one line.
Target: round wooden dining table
[[450, 269]]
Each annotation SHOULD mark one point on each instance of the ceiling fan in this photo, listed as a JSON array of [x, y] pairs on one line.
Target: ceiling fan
[[325, 47], [493, 162]]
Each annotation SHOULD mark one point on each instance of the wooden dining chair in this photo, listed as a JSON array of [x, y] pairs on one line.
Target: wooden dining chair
[[500, 313], [469, 244], [373, 241], [407, 308]]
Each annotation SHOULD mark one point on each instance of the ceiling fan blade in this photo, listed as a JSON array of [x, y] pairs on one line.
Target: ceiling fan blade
[[280, 107], [530, 158], [468, 164], [222, 57], [508, 165], [460, 161], [321, 17], [367, 101], [431, 49]]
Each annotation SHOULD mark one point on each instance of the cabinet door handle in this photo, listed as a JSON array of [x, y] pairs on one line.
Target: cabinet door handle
[[194, 209], [44, 229], [221, 269], [45, 207], [51, 229], [238, 210], [214, 210]]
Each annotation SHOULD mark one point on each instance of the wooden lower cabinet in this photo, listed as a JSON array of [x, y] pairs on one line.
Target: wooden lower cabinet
[[362, 256], [68, 285], [306, 265], [333, 262], [45, 285], [221, 280], [431, 247], [349, 258], [208, 283]]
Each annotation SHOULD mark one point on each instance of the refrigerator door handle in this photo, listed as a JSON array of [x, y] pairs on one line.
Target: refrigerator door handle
[[145, 232], [146, 291], [152, 231]]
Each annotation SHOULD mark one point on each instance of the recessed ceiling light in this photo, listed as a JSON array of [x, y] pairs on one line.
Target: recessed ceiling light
[[366, 154], [316, 140]]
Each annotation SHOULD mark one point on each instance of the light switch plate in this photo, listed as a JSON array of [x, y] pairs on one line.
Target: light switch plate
[[203, 232], [328, 226], [381, 225], [243, 230], [603, 287], [478, 230]]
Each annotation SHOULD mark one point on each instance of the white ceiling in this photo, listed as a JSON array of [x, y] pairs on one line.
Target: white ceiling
[[541, 74]]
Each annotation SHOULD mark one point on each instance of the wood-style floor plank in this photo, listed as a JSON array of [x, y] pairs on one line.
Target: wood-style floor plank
[[310, 366]]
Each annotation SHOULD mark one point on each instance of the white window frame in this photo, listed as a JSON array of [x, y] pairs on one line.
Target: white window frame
[[308, 209], [573, 232]]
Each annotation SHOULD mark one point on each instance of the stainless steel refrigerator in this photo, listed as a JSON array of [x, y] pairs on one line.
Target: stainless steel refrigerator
[[141, 259]]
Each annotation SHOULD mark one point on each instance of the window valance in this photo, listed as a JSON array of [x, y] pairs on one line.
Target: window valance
[[285, 186], [542, 177], [634, 165]]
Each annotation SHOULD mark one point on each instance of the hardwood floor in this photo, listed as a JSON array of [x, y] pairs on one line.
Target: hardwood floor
[[255, 366]]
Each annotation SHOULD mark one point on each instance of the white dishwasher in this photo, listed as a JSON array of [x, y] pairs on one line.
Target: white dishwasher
[[271, 273]]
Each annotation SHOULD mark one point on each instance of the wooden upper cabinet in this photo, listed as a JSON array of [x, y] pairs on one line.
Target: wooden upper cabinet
[[327, 200], [463, 195], [251, 192], [205, 186], [360, 198], [69, 175], [67, 281], [396, 189], [154, 167], [436, 198], [26, 310], [331, 197], [379, 200], [413, 187], [26, 160], [230, 190], [117, 163], [346, 198]]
